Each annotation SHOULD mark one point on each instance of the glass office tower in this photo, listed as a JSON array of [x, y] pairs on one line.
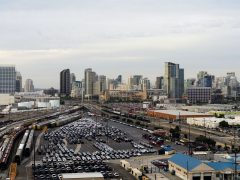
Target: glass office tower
[[7, 79]]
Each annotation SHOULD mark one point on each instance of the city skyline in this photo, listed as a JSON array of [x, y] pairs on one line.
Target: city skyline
[[134, 37]]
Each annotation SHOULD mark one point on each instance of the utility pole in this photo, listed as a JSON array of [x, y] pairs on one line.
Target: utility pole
[[235, 155], [189, 146], [34, 157], [205, 132], [107, 128]]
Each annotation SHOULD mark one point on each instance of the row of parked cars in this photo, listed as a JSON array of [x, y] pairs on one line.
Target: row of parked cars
[[131, 125], [58, 158], [53, 171]]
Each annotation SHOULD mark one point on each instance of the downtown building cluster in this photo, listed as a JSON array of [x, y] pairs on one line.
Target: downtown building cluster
[[136, 88], [172, 86]]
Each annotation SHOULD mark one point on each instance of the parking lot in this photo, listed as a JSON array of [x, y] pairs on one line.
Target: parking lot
[[87, 145], [136, 133]]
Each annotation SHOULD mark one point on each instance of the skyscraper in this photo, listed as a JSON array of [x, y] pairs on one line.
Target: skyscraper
[[173, 80], [65, 82], [76, 91], [29, 87], [134, 82], [100, 85], [89, 78], [18, 82], [72, 79], [7, 79], [145, 84], [159, 82], [204, 79], [119, 79]]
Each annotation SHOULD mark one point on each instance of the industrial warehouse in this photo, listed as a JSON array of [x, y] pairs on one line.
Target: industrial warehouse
[[212, 122], [187, 167], [176, 114]]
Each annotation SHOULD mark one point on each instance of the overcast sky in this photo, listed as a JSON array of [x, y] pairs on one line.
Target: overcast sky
[[42, 37]]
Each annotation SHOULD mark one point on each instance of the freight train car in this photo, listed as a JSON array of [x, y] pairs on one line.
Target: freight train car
[[29, 144], [19, 154]]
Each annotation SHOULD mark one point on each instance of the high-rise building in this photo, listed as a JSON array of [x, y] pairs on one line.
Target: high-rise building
[[137, 80], [18, 82], [100, 85], [103, 83], [204, 79], [89, 78], [119, 79], [72, 79], [201, 74], [231, 85], [188, 83], [159, 82], [7, 79], [145, 84], [134, 82], [76, 91], [173, 80], [65, 88], [197, 95], [29, 87]]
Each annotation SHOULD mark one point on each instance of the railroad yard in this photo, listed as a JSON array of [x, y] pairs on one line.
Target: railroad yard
[[75, 141]]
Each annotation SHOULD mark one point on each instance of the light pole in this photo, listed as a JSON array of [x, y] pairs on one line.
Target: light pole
[[34, 157], [205, 132]]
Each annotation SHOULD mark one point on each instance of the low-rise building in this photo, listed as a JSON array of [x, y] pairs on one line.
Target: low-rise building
[[6, 99], [129, 95], [175, 114], [82, 176], [190, 168], [211, 122], [136, 173], [125, 164]]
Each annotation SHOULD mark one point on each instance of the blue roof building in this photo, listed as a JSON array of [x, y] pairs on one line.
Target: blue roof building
[[190, 168], [185, 161]]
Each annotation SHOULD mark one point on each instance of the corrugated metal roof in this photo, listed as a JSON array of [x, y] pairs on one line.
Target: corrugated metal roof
[[186, 162], [219, 166]]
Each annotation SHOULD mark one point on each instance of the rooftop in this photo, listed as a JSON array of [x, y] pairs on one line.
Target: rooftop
[[185, 161], [189, 163], [220, 166], [178, 112], [82, 175]]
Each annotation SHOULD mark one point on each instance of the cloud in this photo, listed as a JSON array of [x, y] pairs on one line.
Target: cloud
[[130, 36]]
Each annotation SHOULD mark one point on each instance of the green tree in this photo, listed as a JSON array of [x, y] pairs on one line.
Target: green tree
[[175, 133], [204, 140], [223, 124]]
